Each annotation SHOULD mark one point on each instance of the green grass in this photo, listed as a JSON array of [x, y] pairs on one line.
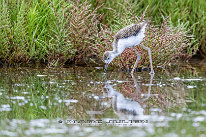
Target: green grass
[[72, 32], [33, 30]]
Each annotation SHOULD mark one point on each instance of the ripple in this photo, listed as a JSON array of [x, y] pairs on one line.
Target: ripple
[[194, 79], [18, 97], [41, 75]]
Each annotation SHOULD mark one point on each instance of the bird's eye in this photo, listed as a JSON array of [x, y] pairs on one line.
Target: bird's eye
[[107, 58]]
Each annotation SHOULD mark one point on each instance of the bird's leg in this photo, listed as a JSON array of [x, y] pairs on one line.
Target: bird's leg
[[135, 83], [137, 60], [150, 58], [149, 88]]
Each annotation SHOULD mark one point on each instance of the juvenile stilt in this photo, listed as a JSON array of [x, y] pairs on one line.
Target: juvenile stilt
[[128, 37]]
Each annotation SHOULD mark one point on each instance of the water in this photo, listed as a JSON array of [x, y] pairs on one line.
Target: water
[[84, 102]]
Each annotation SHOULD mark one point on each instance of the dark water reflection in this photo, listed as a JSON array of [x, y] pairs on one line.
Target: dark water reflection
[[84, 102]]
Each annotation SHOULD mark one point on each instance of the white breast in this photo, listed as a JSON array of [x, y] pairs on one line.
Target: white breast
[[130, 42]]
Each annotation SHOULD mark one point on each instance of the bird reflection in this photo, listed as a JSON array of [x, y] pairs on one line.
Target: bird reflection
[[125, 107]]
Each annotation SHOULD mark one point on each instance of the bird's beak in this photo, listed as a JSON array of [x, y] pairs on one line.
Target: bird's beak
[[106, 67]]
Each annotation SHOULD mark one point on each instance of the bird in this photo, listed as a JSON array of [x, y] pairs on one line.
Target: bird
[[128, 37], [121, 105]]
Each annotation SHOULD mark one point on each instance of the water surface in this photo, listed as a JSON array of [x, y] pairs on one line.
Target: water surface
[[81, 101]]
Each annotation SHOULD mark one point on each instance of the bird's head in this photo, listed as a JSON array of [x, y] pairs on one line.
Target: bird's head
[[108, 57]]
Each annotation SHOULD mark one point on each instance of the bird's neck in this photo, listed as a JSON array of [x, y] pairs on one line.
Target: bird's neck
[[115, 53]]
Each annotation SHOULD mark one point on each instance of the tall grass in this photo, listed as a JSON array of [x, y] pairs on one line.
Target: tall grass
[[51, 31], [59, 31], [33, 30]]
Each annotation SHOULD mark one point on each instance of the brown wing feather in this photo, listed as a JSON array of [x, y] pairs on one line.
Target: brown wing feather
[[124, 33], [128, 31]]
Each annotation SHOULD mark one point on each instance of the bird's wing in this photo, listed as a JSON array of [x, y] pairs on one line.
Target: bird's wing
[[128, 31]]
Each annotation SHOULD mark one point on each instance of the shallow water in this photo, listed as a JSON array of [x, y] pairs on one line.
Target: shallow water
[[84, 102]]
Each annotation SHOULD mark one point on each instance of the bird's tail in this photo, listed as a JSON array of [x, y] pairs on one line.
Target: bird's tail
[[144, 24]]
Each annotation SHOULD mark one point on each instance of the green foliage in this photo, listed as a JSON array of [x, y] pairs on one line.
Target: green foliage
[[59, 31], [55, 31], [33, 30], [5, 35]]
